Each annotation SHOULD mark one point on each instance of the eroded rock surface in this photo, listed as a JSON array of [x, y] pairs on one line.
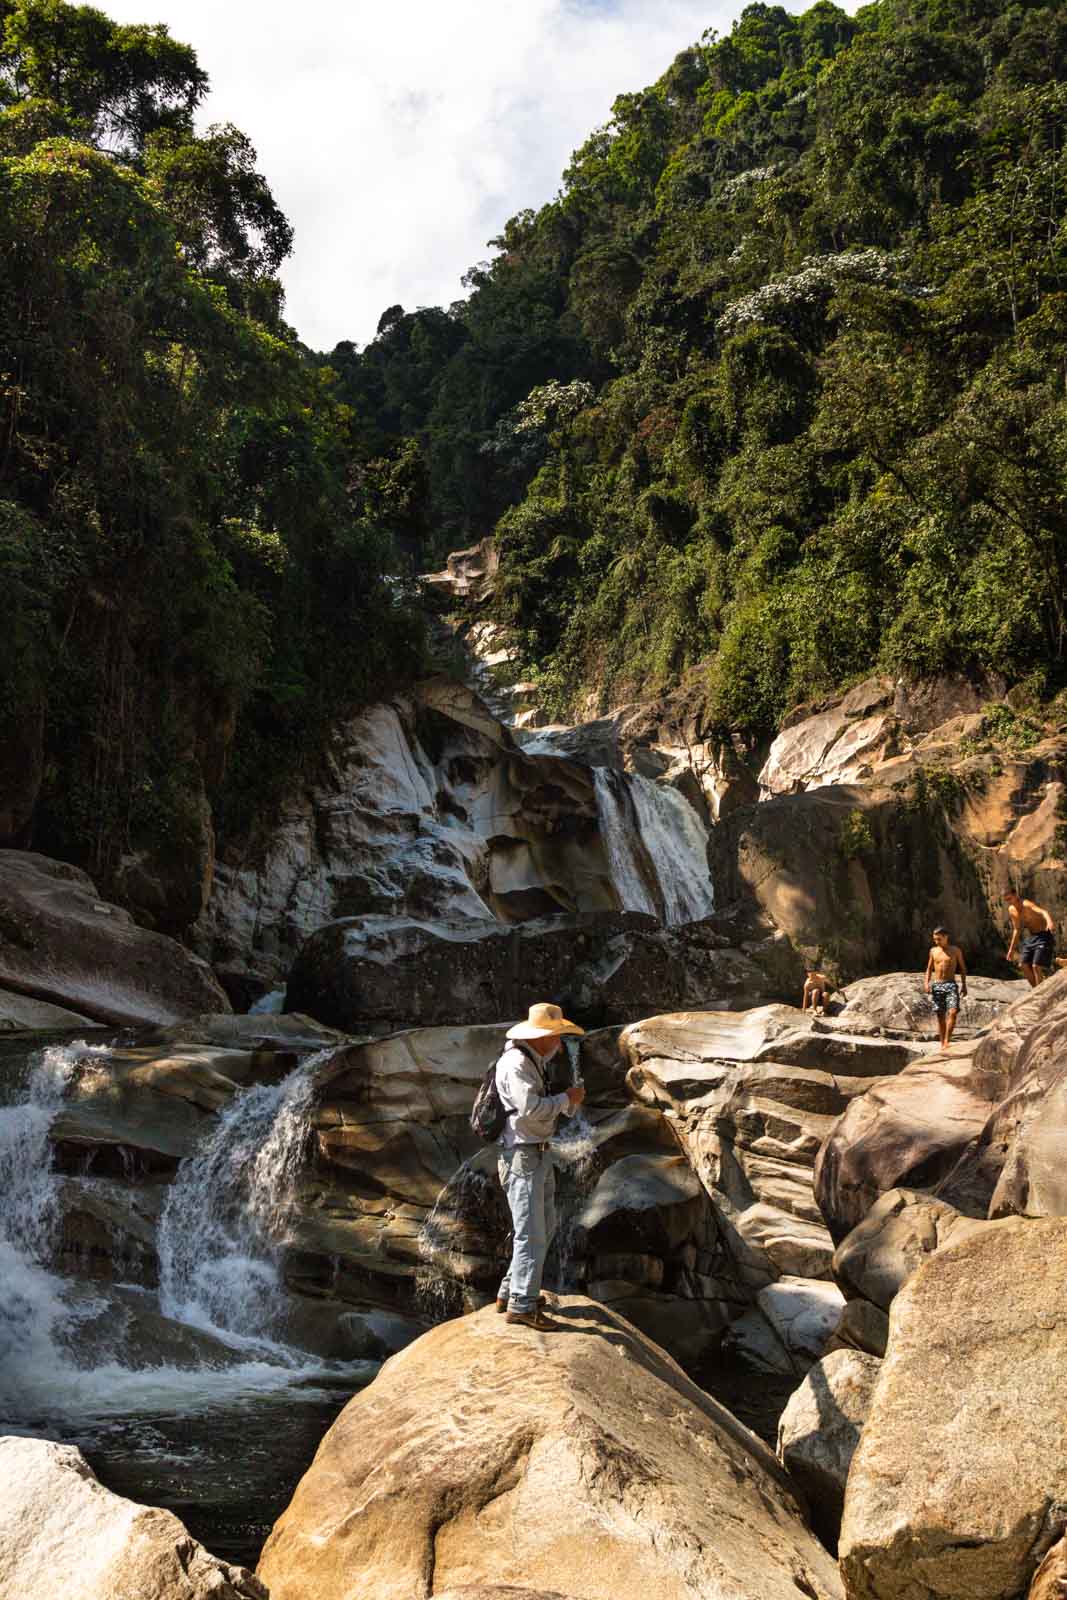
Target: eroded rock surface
[[752, 1096], [959, 1483], [61, 944], [63, 1534], [581, 1462]]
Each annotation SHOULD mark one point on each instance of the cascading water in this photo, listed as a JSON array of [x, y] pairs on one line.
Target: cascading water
[[656, 847], [33, 1312], [228, 1214]]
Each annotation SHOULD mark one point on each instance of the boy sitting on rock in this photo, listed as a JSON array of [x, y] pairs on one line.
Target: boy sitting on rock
[[943, 964]]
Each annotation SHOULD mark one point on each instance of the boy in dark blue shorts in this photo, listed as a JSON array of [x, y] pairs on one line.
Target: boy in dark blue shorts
[[1038, 931]]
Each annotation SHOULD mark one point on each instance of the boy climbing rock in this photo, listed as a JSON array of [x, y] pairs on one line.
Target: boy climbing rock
[[817, 991], [944, 964]]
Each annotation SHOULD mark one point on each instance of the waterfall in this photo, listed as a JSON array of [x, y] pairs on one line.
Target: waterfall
[[33, 1312], [228, 1214], [656, 847]]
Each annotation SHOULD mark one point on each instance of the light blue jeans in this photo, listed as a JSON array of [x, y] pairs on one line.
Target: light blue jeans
[[528, 1179]]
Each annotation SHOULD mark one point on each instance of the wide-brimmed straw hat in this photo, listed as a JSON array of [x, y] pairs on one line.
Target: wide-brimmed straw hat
[[542, 1021]]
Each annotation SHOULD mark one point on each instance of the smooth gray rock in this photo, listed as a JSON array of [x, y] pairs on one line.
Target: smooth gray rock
[[820, 1428]]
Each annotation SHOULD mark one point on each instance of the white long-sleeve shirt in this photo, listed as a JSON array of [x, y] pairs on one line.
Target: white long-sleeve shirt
[[531, 1113]]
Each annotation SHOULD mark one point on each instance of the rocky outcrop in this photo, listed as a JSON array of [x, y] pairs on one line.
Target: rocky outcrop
[[61, 944], [971, 1122], [820, 1429], [63, 1533], [752, 1096], [896, 807], [601, 967], [896, 1003], [19, 1014], [582, 1462], [959, 1482], [141, 1108]]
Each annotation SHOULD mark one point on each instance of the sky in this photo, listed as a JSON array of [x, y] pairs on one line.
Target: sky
[[399, 136]]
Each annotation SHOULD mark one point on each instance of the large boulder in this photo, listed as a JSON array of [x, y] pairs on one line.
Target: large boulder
[[63, 1534], [608, 966], [820, 1428], [971, 1122], [882, 1252], [582, 1463], [1015, 1165], [959, 1483], [908, 1132], [60, 943]]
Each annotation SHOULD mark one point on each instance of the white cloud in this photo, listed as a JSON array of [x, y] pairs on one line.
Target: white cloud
[[399, 135]]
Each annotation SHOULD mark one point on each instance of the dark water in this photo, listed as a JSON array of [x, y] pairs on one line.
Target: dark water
[[228, 1473], [756, 1398]]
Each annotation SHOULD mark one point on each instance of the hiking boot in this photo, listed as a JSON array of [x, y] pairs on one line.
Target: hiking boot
[[502, 1305], [533, 1319]]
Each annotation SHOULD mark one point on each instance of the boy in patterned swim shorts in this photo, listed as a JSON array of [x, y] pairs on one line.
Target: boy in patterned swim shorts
[[944, 962]]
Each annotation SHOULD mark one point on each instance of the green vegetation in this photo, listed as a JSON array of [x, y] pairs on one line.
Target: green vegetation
[[180, 541], [773, 392], [855, 837]]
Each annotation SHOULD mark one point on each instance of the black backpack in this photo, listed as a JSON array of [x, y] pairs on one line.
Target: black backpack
[[489, 1113]]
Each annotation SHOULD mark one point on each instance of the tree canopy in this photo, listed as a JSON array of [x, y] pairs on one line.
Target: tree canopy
[[180, 539], [811, 282]]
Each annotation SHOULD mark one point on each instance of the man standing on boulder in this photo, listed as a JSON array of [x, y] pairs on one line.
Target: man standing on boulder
[[943, 965], [526, 1172], [1039, 946]]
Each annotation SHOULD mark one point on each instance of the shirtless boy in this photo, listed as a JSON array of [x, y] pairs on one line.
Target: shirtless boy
[[1039, 938], [944, 963], [817, 991]]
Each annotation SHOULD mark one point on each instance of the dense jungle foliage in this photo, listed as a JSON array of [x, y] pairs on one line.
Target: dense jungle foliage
[[774, 391], [181, 543]]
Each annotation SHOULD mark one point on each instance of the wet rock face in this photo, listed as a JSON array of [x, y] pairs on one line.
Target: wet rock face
[[601, 967], [959, 1482], [63, 1533], [425, 809], [582, 1461], [61, 944]]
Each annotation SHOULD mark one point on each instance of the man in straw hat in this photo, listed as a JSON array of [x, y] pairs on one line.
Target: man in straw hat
[[526, 1171]]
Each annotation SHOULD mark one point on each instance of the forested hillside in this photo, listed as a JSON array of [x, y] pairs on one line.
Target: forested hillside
[[180, 549], [775, 388]]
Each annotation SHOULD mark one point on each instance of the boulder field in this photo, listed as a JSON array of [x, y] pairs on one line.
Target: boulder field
[[584, 1463]]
